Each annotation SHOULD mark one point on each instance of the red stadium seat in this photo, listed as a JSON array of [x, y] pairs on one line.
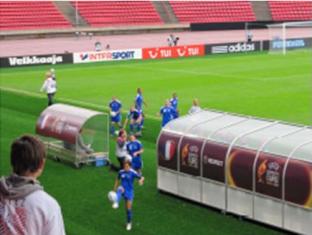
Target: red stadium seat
[[213, 11], [31, 15], [291, 10], [110, 13]]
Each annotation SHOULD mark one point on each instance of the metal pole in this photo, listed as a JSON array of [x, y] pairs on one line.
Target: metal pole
[[76, 13], [284, 38]]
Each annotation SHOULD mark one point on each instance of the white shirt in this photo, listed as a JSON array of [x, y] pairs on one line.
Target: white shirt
[[38, 214], [121, 151], [194, 109], [49, 86]]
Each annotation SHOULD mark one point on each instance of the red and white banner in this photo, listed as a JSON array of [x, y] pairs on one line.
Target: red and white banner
[[173, 52]]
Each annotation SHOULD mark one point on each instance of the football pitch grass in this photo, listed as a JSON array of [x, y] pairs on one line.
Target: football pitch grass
[[262, 85]]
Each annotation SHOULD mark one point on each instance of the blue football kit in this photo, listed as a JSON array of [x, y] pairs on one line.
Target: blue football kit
[[127, 178], [115, 106], [126, 189], [134, 114], [174, 105], [139, 102], [167, 113], [132, 147]]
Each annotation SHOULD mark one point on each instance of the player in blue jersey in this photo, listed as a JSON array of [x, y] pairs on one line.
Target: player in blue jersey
[[135, 149], [115, 114], [174, 105], [135, 117], [138, 103], [124, 188], [167, 112]]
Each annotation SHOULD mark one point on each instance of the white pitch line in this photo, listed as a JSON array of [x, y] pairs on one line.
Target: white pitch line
[[65, 100]]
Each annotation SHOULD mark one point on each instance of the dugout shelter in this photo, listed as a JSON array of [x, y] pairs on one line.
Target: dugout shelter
[[256, 168], [75, 135]]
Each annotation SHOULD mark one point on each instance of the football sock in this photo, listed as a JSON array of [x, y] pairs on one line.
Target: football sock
[[129, 215]]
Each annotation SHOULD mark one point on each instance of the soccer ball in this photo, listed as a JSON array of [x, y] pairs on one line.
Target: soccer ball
[[112, 196], [128, 158], [113, 114]]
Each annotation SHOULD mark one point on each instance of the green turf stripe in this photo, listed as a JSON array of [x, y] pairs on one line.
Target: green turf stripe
[[68, 101]]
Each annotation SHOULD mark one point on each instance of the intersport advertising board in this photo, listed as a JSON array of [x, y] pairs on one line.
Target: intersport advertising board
[[173, 52], [109, 55]]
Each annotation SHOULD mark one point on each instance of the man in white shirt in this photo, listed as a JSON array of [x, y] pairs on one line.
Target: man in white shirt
[[24, 207], [49, 86], [195, 108]]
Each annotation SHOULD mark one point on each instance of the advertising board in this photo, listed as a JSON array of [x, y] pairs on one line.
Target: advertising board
[[173, 52], [109, 55], [19, 61]]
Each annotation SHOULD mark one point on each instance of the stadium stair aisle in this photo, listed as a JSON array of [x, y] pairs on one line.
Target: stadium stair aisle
[[261, 10], [69, 12]]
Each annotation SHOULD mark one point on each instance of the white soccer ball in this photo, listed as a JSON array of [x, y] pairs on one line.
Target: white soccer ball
[[128, 158], [113, 114], [112, 196]]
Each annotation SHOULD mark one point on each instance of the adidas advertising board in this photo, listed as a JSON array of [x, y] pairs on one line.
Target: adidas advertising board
[[232, 48]]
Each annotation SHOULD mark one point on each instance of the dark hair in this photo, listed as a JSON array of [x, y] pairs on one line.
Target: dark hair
[[121, 132], [27, 153], [127, 162]]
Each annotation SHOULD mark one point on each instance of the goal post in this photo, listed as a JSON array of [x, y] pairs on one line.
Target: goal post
[[289, 35]]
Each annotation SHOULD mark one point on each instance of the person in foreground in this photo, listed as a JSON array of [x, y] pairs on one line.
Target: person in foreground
[[25, 208], [124, 188]]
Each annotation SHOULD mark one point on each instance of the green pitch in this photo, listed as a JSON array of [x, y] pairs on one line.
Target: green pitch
[[270, 86]]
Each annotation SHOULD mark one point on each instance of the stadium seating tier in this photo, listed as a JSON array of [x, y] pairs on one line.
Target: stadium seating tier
[[29, 15], [291, 11]]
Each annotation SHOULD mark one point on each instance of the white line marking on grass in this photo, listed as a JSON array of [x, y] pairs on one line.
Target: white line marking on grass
[[183, 71], [260, 79], [65, 100]]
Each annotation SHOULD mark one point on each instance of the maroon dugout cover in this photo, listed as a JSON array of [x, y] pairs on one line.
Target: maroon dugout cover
[[298, 183], [59, 127], [190, 151], [240, 167], [269, 173], [214, 161], [168, 150]]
